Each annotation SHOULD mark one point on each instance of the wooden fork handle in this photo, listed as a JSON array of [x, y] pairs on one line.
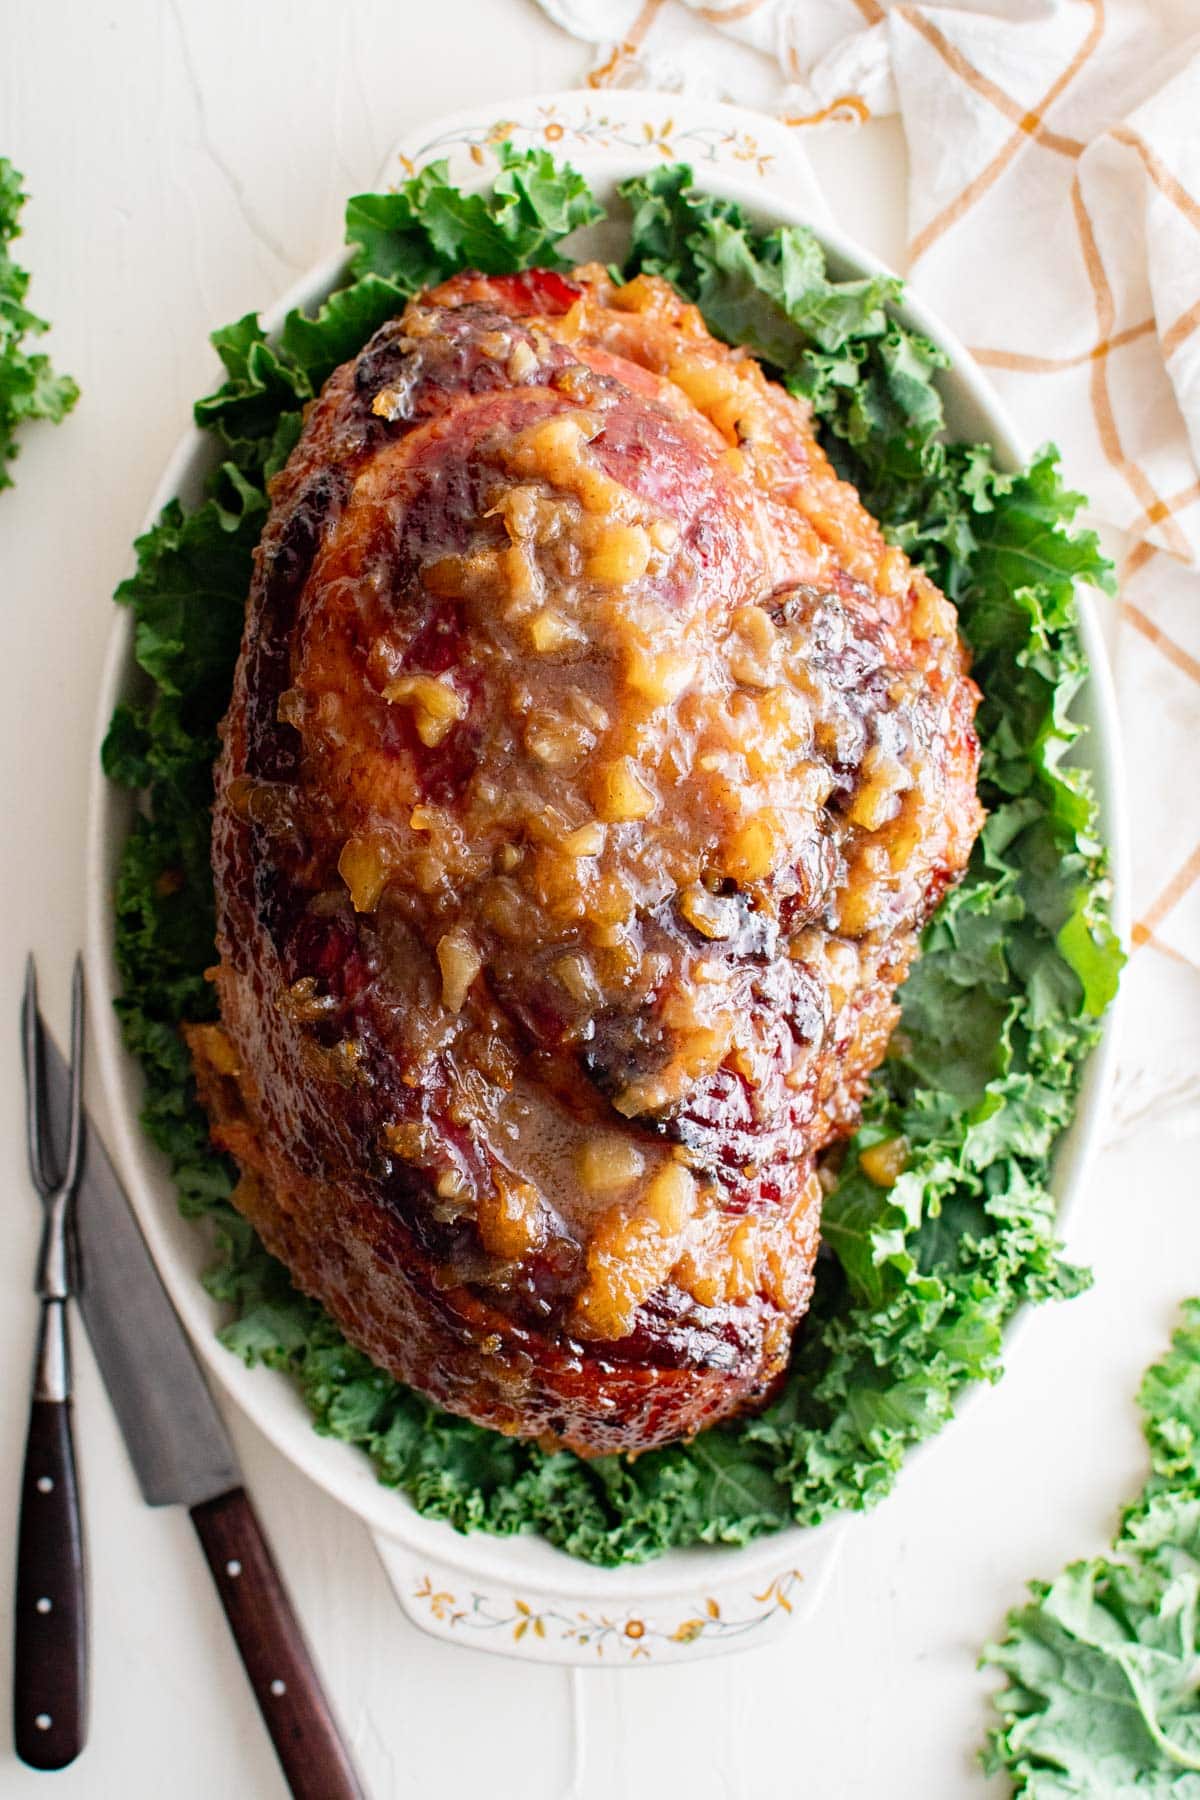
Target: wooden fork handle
[[50, 1647], [315, 1760]]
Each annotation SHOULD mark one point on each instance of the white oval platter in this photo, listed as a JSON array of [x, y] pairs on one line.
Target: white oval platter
[[520, 1596]]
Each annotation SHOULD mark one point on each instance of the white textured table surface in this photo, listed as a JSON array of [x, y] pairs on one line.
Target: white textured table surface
[[187, 161]]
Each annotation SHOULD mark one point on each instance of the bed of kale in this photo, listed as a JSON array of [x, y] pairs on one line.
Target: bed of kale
[[917, 1281]]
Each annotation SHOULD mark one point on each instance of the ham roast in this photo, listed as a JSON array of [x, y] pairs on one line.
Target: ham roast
[[591, 768]]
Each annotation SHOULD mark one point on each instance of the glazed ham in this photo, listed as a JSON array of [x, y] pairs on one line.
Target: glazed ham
[[591, 768]]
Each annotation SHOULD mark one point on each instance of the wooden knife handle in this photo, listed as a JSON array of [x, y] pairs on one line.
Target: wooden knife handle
[[50, 1644], [315, 1761]]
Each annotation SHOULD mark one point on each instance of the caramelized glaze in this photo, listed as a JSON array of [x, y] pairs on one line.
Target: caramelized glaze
[[592, 766]]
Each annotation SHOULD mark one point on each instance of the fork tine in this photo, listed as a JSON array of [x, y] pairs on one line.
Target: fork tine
[[75, 1139], [31, 1043]]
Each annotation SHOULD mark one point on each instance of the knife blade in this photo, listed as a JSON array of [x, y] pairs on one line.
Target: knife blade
[[182, 1455], [176, 1438]]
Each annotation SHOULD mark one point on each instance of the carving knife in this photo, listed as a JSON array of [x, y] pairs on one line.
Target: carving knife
[[182, 1456]]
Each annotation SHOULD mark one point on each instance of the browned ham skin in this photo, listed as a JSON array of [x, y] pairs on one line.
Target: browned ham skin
[[591, 768]]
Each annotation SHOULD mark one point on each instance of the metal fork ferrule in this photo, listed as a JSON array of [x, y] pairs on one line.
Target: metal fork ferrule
[[52, 1361], [54, 1269]]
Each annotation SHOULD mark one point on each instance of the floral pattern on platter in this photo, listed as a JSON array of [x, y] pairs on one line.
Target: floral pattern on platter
[[624, 1635], [599, 128]]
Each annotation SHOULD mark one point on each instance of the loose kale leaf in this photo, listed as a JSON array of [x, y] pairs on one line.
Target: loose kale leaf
[[29, 388], [917, 1280], [1102, 1695]]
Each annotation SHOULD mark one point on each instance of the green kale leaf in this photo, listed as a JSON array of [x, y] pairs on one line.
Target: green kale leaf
[[428, 229], [1102, 1665], [29, 388]]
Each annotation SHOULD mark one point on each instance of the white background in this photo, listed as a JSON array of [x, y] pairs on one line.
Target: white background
[[187, 162]]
